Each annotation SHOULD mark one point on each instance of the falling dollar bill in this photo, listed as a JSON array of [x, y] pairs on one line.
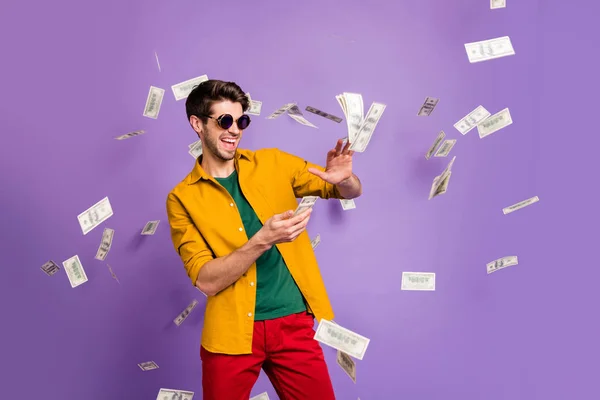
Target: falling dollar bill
[[316, 241], [157, 63], [445, 148], [50, 268], [184, 314], [342, 339], [255, 107], [347, 364], [153, 102], [435, 144], [363, 137], [440, 182], [75, 271], [306, 203], [281, 110], [195, 149], [183, 89], [150, 228], [418, 281], [105, 244], [485, 50], [130, 135], [428, 107], [148, 366], [471, 120], [348, 204], [95, 215], [519, 205], [500, 263], [113, 274], [323, 114], [172, 394], [494, 123], [497, 4], [262, 396], [353, 108], [295, 113]]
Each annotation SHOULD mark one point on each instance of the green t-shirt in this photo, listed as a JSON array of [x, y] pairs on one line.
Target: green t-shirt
[[277, 294]]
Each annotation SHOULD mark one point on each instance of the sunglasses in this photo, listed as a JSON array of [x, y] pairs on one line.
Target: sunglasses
[[225, 121]]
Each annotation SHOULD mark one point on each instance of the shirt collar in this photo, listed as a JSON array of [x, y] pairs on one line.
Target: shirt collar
[[199, 173]]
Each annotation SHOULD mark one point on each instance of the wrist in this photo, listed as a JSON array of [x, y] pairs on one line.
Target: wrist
[[260, 241], [346, 182]]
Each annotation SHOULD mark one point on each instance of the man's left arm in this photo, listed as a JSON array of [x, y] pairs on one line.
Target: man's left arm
[[350, 188]]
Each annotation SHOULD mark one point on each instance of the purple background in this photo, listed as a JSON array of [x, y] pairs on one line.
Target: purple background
[[76, 74]]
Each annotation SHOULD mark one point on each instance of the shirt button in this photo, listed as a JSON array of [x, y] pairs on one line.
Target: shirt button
[[251, 283], [240, 228], [249, 314], [231, 204]]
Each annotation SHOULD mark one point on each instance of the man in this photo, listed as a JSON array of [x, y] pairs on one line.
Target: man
[[233, 226]]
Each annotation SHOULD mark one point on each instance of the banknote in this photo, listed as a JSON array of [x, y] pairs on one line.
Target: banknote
[[302, 120], [316, 241], [153, 102], [428, 107], [183, 89], [306, 203], [347, 364], [440, 182], [519, 205], [418, 281], [148, 366], [95, 215], [113, 274], [172, 394], [445, 148], [363, 137], [323, 114], [435, 144], [262, 396], [494, 123], [342, 339], [75, 271], [485, 50], [130, 135], [255, 107], [352, 105], [500, 263], [184, 314], [195, 149], [471, 120], [105, 244], [348, 204], [50, 268], [281, 110], [497, 4], [150, 227], [157, 63]]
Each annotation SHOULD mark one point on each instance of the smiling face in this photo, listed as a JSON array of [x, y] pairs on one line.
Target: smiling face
[[221, 143]]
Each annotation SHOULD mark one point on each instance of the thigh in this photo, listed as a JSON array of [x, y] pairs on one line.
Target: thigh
[[295, 365]]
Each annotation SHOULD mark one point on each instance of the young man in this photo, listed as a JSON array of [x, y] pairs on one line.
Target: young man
[[233, 226]]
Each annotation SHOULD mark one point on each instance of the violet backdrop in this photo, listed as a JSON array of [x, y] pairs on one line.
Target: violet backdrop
[[76, 74]]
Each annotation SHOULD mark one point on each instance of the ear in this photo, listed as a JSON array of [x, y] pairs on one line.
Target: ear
[[196, 124]]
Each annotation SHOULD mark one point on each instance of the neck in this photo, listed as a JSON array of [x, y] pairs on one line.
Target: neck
[[216, 167]]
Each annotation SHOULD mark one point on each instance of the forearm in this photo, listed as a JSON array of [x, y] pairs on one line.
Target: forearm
[[221, 272], [350, 188]]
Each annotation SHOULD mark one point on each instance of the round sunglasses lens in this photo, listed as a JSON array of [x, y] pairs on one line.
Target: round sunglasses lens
[[243, 122], [226, 121]]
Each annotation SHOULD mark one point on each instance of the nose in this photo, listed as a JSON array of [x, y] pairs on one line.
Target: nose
[[234, 128]]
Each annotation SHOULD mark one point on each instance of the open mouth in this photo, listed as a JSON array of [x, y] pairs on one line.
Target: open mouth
[[228, 144]]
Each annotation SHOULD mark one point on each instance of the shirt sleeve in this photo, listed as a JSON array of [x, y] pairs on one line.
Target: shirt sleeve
[[188, 241], [304, 182]]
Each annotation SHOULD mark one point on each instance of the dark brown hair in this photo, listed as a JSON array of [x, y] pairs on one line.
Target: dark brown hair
[[203, 96]]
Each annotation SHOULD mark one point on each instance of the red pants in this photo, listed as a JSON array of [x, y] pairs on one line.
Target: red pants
[[285, 349]]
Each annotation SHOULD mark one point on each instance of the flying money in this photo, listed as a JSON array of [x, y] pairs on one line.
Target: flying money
[[148, 366], [445, 148], [471, 120], [440, 182], [255, 107], [281, 110], [316, 241], [418, 281], [75, 271], [342, 339], [435, 144], [105, 244], [348, 204], [185, 313], [153, 102], [95, 215], [172, 394], [50, 268], [130, 135], [347, 364], [150, 228], [501, 263], [157, 63], [195, 149], [519, 205], [306, 203], [497, 4], [323, 114], [295, 113], [428, 107], [494, 123], [485, 50], [113, 274], [183, 89], [363, 137], [262, 396], [352, 106]]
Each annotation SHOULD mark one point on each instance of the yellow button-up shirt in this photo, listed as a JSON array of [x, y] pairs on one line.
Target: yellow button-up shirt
[[205, 224]]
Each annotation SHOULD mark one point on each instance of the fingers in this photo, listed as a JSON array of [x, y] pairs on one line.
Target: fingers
[[338, 147], [346, 147]]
